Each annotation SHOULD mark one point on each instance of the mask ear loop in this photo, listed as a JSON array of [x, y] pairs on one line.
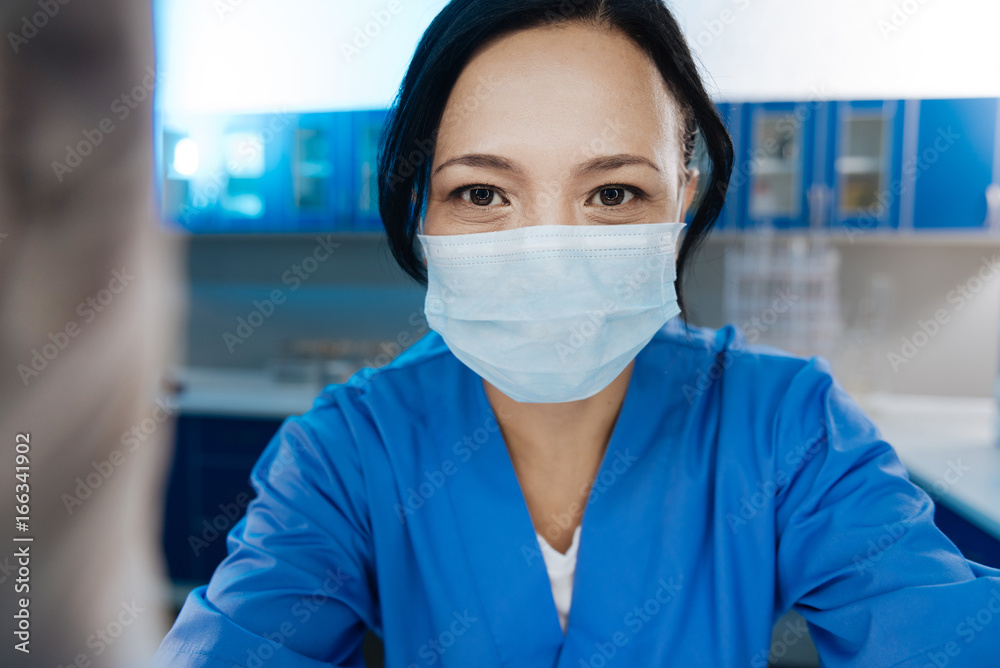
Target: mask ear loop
[[680, 203]]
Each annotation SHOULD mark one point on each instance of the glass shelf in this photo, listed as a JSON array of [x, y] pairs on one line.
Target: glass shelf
[[862, 163]]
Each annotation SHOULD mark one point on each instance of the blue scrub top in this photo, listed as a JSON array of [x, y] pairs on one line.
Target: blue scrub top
[[738, 482]]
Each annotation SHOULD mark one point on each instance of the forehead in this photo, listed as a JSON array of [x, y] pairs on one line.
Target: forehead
[[560, 89]]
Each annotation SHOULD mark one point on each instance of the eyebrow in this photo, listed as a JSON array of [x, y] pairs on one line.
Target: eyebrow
[[607, 163], [482, 160], [599, 164]]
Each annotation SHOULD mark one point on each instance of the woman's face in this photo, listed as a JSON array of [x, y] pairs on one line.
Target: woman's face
[[571, 125]]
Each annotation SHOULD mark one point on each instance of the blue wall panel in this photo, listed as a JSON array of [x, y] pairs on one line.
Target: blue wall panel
[[955, 161]]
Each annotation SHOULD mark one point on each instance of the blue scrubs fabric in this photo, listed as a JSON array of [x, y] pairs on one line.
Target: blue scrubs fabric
[[738, 482]]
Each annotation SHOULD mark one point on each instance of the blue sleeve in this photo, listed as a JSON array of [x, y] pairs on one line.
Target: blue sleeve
[[295, 590], [858, 553]]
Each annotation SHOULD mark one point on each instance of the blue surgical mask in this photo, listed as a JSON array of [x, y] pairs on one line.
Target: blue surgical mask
[[551, 313]]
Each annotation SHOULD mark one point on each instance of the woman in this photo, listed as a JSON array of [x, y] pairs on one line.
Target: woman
[[562, 473]]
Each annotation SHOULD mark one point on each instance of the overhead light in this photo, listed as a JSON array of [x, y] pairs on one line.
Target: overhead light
[[186, 157]]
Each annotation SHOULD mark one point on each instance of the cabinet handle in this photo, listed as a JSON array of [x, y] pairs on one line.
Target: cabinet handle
[[818, 198], [993, 207]]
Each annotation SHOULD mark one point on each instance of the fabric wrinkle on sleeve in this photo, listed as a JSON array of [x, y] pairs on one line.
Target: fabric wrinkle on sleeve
[[296, 588], [858, 553]]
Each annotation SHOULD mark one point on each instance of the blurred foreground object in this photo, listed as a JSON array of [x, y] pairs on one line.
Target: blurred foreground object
[[88, 314]]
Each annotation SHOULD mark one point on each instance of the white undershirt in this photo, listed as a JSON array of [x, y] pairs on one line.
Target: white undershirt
[[561, 567]]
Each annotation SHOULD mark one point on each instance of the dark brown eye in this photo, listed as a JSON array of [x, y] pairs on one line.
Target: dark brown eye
[[612, 196], [481, 196]]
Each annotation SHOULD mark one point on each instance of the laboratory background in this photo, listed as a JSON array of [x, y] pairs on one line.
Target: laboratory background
[[862, 224]]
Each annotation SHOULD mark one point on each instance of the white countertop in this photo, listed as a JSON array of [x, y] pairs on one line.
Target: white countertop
[[240, 392], [947, 444]]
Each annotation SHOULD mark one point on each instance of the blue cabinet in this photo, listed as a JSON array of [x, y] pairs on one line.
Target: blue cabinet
[[974, 543], [364, 183], [320, 158], [864, 165], [778, 150], [252, 173], [209, 489], [862, 168], [225, 173], [281, 172], [730, 218], [953, 165], [854, 166], [190, 183]]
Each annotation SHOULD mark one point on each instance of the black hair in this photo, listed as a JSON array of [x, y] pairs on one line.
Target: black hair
[[406, 146]]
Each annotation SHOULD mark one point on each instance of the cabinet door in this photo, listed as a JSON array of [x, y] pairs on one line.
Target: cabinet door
[[864, 147], [367, 128], [320, 154], [254, 173], [954, 164], [777, 156], [209, 489], [190, 176], [731, 217]]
